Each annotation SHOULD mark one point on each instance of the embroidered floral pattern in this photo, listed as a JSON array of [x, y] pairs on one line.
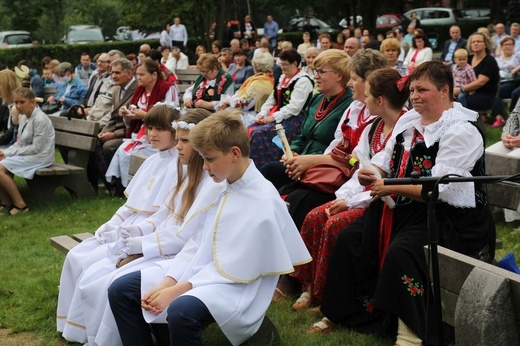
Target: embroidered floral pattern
[[423, 165], [415, 288], [245, 101], [221, 84]]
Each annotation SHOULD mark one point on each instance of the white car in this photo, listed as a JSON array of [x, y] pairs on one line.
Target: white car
[[436, 15], [13, 39]]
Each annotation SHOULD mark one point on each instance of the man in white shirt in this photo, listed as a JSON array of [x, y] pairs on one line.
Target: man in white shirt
[[178, 60], [178, 34]]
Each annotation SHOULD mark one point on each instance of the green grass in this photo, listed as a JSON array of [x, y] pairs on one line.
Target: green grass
[[30, 270]]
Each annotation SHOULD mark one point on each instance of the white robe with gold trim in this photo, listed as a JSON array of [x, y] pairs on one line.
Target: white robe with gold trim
[[146, 192]]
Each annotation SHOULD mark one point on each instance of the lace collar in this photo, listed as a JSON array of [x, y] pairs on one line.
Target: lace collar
[[432, 133]]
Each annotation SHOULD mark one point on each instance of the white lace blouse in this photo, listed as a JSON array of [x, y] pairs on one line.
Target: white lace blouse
[[460, 146]]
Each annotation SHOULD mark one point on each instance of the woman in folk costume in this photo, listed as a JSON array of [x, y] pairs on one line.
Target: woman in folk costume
[[388, 291], [348, 129], [150, 90], [256, 89], [285, 105], [210, 86], [145, 194], [386, 93]]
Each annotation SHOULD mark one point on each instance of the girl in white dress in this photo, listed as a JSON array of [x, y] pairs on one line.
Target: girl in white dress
[[142, 244], [145, 194]]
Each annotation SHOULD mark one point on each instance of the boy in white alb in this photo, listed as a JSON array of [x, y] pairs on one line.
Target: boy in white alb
[[229, 273]]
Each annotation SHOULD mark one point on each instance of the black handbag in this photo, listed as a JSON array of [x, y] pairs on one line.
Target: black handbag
[[50, 107], [76, 111]]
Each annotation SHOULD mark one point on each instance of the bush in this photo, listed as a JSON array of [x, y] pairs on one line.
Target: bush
[[67, 52]]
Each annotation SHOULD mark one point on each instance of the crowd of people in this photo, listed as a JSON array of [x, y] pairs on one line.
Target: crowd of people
[[204, 235]]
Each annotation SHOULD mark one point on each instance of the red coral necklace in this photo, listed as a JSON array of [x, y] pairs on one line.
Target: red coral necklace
[[322, 113]]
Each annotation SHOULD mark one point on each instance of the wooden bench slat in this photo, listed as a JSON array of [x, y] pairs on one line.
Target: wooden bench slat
[[74, 141], [82, 236], [78, 126], [70, 168], [136, 160], [63, 243]]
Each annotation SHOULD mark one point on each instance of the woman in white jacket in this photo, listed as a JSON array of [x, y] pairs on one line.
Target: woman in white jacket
[[420, 52]]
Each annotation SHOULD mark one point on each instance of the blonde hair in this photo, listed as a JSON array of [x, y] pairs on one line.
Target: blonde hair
[[338, 60], [8, 84], [461, 51], [194, 170], [208, 62], [390, 44], [221, 131]]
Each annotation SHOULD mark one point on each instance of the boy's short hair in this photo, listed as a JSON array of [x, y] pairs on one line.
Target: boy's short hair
[[221, 131], [461, 51]]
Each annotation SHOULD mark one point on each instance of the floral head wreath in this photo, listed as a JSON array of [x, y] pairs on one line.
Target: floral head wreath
[[168, 104], [182, 125], [401, 83]]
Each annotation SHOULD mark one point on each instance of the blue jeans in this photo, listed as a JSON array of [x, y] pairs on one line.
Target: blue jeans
[[481, 101], [187, 317], [124, 297]]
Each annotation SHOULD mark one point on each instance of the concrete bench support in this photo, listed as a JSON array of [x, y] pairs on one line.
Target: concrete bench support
[[484, 313]]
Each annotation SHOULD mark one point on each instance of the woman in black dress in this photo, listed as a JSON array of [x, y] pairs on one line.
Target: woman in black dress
[[387, 291]]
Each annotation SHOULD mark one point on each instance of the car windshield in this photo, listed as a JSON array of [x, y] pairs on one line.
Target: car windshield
[[85, 35], [18, 39]]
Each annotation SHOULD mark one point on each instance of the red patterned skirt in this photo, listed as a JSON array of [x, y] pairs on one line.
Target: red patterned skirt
[[319, 232]]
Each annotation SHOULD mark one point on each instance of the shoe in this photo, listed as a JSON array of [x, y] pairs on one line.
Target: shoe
[[325, 326], [278, 295], [498, 123], [17, 210], [4, 208], [303, 302], [509, 263]]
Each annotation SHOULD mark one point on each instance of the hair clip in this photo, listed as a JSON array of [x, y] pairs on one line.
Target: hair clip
[[401, 82], [171, 105], [183, 125]]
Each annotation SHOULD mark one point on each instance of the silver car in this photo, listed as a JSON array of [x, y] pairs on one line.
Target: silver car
[[436, 15], [13, 39]]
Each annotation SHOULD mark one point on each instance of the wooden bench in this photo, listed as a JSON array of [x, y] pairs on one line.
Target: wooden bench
[[79, 138], [136, 160], [49, 91], [480, 300], [186, 77], [506, 194], [64, 243]]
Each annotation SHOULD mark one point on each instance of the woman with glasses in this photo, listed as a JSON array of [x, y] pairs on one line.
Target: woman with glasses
[[212, 83], [481, 94], [241, 69], [284, 106], [338, 77], [509, 65]]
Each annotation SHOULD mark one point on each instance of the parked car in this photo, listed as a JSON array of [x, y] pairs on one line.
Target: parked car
[[297, 23], [483, 14], [123, 33], [12, 39], [384, 21], [83, 34], [436, 15], [391, 21]]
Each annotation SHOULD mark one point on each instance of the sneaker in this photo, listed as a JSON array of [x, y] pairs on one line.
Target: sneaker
[[498, 123]]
